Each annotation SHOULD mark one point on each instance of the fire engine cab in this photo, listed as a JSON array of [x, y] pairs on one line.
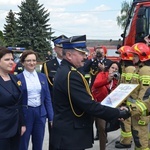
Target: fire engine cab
[[138, 23]]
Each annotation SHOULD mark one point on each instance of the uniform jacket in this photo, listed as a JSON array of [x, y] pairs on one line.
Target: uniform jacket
[[101, 87], [146, 99], [144, 74], [136, 80], [52, 67], [73, 119], [46, 105], [92, 67], [11, 116]]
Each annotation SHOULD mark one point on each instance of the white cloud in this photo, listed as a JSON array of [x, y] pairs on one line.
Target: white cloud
[[9, 2], [58, 3], [88, 24], [101, 8], [2, 18], [94, 23]]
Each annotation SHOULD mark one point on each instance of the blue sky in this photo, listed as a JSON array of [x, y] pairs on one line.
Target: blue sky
[[95, 18]]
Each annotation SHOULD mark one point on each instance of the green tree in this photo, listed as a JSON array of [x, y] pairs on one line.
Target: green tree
[[2, 41], [9, 32], [33, 30], [121, 19]]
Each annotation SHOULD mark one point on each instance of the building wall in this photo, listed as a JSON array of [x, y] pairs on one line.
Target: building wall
[[107, 43]]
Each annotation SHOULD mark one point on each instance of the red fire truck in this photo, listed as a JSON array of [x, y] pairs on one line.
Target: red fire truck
[[138, 22]]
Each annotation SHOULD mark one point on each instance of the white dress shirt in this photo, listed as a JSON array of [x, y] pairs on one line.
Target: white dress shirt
[[33, 88], [59, 60]]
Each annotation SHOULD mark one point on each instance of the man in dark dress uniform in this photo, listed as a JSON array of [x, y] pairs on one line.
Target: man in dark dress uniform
[[50, 68], [73, 103]]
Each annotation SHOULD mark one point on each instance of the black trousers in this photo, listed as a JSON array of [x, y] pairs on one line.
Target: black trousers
[[53, 148], [10, 143], [65, 149]]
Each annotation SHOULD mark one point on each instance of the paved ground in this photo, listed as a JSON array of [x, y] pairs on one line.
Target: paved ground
[[112, 137]]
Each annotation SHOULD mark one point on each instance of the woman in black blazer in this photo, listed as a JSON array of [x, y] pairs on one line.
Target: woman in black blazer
[[12, 124]]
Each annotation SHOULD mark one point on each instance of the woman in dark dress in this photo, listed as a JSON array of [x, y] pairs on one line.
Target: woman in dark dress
[[12, 124]]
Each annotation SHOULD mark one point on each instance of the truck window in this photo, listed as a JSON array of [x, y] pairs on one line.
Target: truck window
[[147, 17], [148, 21], [129, 22], [142, 24]]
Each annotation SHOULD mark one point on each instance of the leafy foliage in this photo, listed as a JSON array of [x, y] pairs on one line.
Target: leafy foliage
[[121, 19]]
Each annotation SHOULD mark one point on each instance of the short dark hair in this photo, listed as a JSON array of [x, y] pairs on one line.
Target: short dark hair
[[26, 53], [4, 51], [117, 63]]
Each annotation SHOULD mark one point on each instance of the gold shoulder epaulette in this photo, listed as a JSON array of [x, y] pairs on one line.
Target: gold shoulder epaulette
[[73, 68]]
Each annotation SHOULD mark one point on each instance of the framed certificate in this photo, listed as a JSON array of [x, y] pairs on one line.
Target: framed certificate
[[117, 96]]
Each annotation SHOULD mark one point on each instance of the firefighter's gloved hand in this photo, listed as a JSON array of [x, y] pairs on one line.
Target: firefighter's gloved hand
[[124, 113]]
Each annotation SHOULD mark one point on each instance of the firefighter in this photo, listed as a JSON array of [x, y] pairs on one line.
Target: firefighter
[[50, 68], [128, 70], [141, 53], [137, 110]]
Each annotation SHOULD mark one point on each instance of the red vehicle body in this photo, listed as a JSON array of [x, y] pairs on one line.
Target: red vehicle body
[[138, 23], [111, 53]]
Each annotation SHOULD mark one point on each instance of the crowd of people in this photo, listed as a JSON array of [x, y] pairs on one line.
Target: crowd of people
[[71, 100]]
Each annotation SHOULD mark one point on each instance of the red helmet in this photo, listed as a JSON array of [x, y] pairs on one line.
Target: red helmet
[[142, 50], [125, 53]]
